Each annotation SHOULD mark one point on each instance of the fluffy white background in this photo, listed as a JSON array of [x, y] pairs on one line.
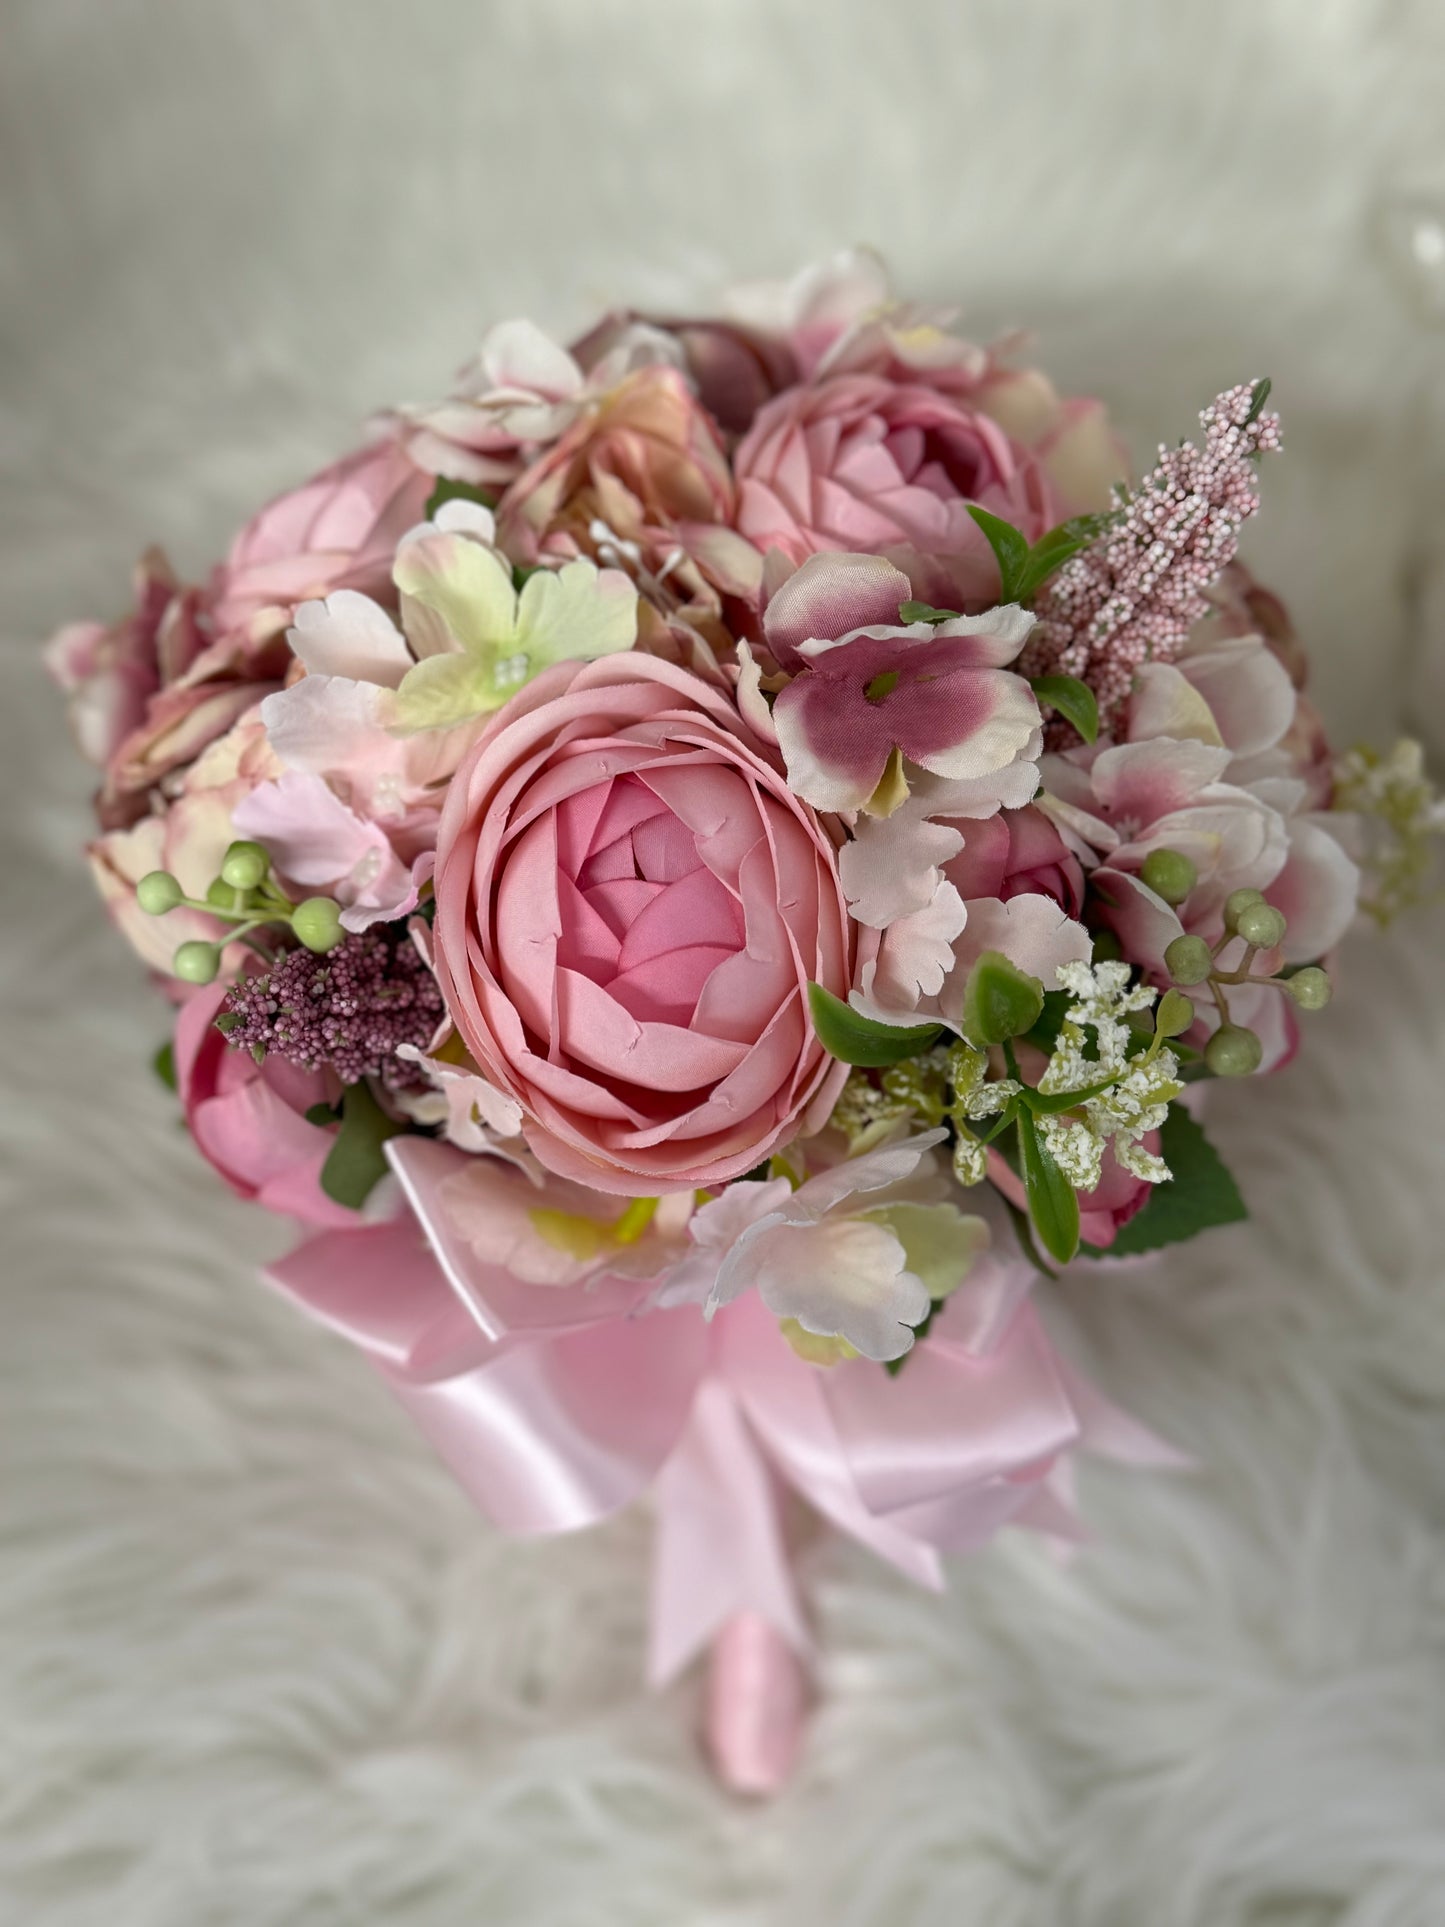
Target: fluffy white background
[[258, 1661]]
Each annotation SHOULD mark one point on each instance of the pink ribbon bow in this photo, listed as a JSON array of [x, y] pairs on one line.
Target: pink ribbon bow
[[556, 1407]]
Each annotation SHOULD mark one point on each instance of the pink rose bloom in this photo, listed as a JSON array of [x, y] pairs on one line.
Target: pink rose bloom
[[1017, 853], [340, 530], [249, 1120], [630, 905]]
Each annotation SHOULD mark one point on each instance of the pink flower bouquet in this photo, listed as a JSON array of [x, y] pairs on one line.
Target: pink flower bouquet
[[698, 869]]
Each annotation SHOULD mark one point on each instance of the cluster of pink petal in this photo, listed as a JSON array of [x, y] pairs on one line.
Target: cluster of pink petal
[[349, 1011], [1134, 595]]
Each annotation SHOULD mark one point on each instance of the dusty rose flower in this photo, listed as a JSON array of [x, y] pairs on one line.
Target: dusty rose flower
[[149, 693], [111, 672], [630, 904], [640, 479], [249, 1119]]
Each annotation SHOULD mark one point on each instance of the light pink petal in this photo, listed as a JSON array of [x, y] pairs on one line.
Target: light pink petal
[[1031, 931], [1318, 890], [1248, 689], [891, 866], [350, 635], [1142, 781]]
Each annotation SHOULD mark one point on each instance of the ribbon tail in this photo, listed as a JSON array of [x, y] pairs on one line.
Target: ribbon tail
[[756, 1704], [719, 1552]]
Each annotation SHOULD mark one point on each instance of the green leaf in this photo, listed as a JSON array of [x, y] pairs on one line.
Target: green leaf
[[925, 612], [1257, 400], [1074, 701], [1200, 1195], [1045, 1031], [322, 1114], [1049, 1104], [164, 1066], [1053, 1202], [856, 1039], [356, 1161], [1010, 547], [999, 1001], [1049, 554], [447, 490]]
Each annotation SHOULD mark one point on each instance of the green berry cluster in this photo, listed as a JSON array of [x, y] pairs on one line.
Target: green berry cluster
[[1234, 1050], [244, 894]]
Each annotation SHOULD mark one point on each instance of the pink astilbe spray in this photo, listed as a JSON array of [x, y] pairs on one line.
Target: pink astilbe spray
[[1134, 594]]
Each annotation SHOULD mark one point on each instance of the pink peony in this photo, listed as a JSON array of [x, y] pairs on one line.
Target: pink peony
[[866, 462], [249, 1120], [340, 530], [151, 692], [630, 904]]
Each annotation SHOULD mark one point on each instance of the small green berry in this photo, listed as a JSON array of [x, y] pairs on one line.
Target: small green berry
[[1169, 874], [244, 865], [1236, 903], [317, 922], [1261, 924], [1107, 947], [1310, 988], [1233, 1051], [157, 892], [1188, 960], [220, 894], [1174, 1014], [197, 962]]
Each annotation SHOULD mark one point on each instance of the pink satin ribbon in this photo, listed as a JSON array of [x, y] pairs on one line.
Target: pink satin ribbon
[[555, 1407]]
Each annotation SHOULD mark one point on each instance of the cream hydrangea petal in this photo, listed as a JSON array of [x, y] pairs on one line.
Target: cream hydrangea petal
[[443, 689], [456, 594], [1164, 702], [577, 611], [940, 1242]]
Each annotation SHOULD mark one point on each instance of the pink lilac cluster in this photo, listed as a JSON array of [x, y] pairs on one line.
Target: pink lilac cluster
[[643, 727], [1134, 595], [349, 1011]]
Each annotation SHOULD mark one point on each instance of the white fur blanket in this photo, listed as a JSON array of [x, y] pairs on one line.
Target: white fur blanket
[[259, 1662]]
